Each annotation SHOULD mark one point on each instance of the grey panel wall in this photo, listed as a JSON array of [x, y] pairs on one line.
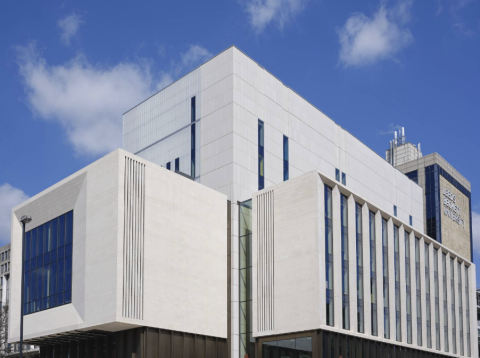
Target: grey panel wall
[[133, 239]]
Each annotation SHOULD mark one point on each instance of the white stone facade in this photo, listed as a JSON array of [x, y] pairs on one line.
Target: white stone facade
[[181, 249]]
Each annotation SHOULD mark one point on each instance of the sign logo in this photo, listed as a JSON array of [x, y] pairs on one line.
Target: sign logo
[[450, 207]]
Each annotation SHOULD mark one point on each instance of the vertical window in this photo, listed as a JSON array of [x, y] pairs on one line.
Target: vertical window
[[193, 136], [398, 319], [454, 321], [329, 254], [460, 306], [345, 295], [337, 175], [344, 179], [285, 158], [373, 273], [48, 264], [177, 164], [168, 165], [467, 302], [261, 161], [386, 318], [437, 298], [395, 210], [427, 296], [360, 313], [419, 291], [408, 281], [410, 220], [445, 302]]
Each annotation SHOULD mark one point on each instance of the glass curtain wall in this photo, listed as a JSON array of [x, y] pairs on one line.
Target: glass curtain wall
[[261, 155], [386, 318], [285, 159], [329, 255], [373, 273], [192, 135], [358, 222], [247, 342], [445, 302], [398, 318], [419, 291], [345, 287], [408, 281], [48, 265]]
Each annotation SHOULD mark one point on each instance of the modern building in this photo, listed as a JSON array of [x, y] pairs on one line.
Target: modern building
[[4, 274], [447, 194], [306, 209], [122, 259]]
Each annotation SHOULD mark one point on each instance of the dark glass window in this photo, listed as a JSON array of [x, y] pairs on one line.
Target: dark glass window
[[419, 291], [177, 164], [261, 155], [345, 283], [410, 220], [373, 273], [460, 306], [386, 318], [413, 176], [427, 296], [285, 158], [445, 302], [329, 254], [337, 175], [360, 312], [398, 319], [344, 179], [437, 298], [193, 135], [288, 348], [454, 321], [432, 202], [48, 265], [168, 165], [408, 282], [395, 210]]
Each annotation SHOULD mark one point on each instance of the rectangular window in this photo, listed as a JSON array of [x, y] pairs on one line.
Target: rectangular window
[[419, 291], [360, 313], [261, 156], [395, 210], [427, 296], [345, 292], [337, 175], [373, 273], [467, 299], [329, 254], [285, 158], [192, 135], [177, 164], [398, 318], [460, 307], [168, 165], [386, 318], [408, 281], [48, 265], [454, 321], [437, 298], [410, 220], [445, 302], [344, 178]]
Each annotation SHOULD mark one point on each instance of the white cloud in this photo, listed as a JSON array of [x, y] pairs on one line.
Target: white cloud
[[88, 100], [9, 198], [279, 12], [476, 231], [364, 40], [391, 129], [69, 26]]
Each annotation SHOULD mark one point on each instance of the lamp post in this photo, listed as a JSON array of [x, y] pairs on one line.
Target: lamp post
[[25, 219]]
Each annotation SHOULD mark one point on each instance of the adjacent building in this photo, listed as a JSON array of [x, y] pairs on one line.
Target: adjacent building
[[4, 274], [447, 209], [318, 243]]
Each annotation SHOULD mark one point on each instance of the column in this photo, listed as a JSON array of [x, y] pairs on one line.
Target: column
[[424, 292], [391, 280], [352, 262], [337, 258], [432, 297], [367, 301], [378, 242], [413, 288], [321, 250], [403, 286]]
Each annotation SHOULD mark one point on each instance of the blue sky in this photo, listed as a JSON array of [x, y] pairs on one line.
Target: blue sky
[[68, 70]]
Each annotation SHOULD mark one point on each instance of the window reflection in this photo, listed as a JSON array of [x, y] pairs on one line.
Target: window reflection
[[288, 348]]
